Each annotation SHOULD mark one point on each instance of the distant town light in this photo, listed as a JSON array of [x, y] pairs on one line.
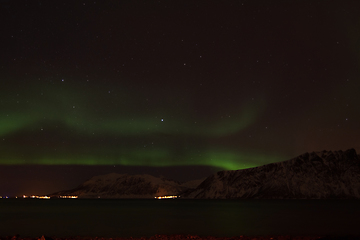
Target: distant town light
[[166, 197], [68, 196], [36, 196], [44, 197]]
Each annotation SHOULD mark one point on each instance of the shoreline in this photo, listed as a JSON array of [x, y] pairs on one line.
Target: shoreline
[[187, 237]]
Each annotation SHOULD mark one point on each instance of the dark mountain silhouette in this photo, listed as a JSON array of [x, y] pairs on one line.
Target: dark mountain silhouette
[[316, 175]]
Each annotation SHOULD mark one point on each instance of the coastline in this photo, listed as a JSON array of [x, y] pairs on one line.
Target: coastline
[[189, 237]]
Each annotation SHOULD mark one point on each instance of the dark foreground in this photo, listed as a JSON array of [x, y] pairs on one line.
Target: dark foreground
[[193, 237]]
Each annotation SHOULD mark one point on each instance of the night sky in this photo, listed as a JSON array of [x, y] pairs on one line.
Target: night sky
[[173, 88]]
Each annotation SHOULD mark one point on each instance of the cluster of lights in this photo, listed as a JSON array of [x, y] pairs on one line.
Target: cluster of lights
[[166, 197], [45, 197], [35, 196], [68, 196], [4, 197]]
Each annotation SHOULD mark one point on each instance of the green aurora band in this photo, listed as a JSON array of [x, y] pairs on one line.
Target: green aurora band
[[224, 160], [52, 127]]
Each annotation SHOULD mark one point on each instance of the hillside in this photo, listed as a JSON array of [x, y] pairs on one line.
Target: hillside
[[115, 185], [316, 175]]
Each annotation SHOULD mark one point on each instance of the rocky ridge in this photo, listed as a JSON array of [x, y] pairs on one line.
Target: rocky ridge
[[316, 175]]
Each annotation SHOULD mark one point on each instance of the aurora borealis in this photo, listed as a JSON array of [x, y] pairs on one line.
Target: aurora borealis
[[228, 85], [65, 127]]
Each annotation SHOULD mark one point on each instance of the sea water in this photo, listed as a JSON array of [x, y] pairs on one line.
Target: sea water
[[137, 218]]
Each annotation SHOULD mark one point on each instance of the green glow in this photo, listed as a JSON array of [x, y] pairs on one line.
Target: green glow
[[64, 126], [79, 110], [13, 123], [158, 157], [239, 160], [145, 125]]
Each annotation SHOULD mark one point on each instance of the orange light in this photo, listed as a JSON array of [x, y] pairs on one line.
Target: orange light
[[166, 197], [44, 197], [68, 196]]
